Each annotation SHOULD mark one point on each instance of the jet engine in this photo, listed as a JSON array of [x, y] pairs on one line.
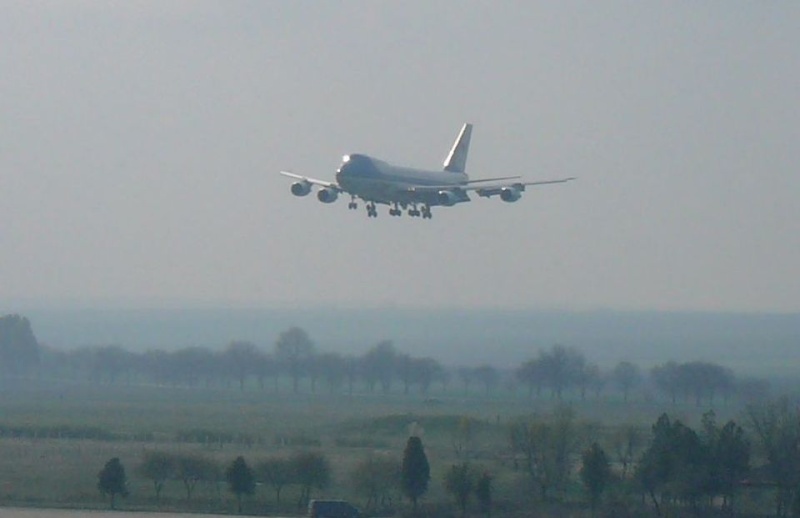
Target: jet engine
[[327, 195], [301, 188], [447, 198], [510, 194]]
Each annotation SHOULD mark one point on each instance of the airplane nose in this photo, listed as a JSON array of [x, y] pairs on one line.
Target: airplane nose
[[341, 173]]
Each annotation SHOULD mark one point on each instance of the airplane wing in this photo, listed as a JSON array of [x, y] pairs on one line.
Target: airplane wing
[[486, 190], [493, 190], [484, 180], [313, 181]]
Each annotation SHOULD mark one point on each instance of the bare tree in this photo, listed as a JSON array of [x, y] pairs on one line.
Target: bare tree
[[532, 374], [278, 472], [627, 376], [626, 442], [159, 467], [191, 469], [547, 446], [425, 372], [242, 357], [333, 368], [377, 478], [312, 470], [777, 430], [560, 366], [379, 364], [667, 378], [293, 349], [487, 376], [459, 481]]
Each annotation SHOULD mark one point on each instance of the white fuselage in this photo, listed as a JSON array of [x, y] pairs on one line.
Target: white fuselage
[[380, 182]]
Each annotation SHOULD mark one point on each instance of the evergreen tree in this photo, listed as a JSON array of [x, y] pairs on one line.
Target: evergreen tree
[[415, 472], [241, 480], [595, 473], [294, 349], [111, 480], [483, 492]]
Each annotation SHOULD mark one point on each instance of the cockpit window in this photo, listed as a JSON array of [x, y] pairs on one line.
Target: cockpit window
[[355, 159], [357, 165]]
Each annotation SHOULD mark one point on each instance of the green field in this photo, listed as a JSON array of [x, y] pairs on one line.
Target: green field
[[57, 436]]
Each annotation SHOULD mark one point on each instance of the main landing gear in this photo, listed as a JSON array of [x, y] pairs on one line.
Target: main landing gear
[[352, 205], [414, 212], [396, 211]]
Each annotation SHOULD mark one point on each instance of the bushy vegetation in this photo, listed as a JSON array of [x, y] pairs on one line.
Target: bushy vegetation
[[555, 436]]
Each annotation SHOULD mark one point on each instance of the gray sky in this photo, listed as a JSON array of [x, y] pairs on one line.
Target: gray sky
[[140, 143]]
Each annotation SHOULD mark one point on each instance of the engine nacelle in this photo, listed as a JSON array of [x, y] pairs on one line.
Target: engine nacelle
[[327, 195], [301, 188], [510, 194], [447, 198]]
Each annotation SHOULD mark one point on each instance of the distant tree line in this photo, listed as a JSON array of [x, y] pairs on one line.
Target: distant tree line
[[20, 352], [561, 370], [558, 372], [674, 470]]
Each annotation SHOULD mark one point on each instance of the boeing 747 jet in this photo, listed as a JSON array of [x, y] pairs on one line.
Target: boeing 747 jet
[[414, 191]]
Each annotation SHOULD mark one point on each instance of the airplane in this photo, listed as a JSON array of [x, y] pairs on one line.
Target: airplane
[[413, 190]]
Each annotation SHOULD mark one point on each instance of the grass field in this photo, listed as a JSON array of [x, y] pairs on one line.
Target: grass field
[[42, 463]]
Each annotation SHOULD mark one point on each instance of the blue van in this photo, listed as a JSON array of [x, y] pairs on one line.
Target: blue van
[[331, 509]]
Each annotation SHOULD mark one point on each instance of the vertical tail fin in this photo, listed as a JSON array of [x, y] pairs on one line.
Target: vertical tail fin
[[456, 161]]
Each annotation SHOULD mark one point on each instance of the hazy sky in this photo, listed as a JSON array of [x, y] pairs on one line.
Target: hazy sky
[[140, 143]]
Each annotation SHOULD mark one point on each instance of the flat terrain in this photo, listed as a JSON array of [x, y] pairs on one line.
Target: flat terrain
[[56, 436]]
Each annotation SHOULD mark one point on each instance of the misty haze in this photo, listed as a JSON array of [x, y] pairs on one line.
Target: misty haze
[[183, 330]]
